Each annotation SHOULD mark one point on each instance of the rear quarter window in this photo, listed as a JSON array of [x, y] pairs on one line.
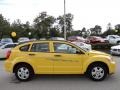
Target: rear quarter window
[[25, 47]]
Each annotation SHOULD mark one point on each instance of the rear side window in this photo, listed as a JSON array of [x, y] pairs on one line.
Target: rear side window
[[40, 47], [25, 48]]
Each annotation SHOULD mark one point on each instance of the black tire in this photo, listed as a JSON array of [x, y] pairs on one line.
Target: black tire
[[118, 42], [91, 70], [27, 72]]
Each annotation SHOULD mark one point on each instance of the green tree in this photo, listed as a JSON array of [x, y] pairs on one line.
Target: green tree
[[22, 30], [18, 27], [109, 30], [4, 26], [96, 30], [69, 18], [43, 23], [76, 33], [117, 28], [84, 32], [54, 32]]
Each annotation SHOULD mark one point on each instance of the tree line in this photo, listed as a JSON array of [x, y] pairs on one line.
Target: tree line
[[46, 26]]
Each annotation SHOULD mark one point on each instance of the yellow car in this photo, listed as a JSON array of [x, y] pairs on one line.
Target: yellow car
[[57, 57]]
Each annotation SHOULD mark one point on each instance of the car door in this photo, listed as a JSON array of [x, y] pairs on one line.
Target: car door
[[66, 60], [41, 56]]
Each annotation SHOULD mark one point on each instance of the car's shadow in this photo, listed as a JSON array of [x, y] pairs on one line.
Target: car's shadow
[[60, 78]]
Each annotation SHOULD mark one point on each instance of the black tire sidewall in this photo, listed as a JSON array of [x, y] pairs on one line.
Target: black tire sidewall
[[118, 42], [89, 72], [31, 73]]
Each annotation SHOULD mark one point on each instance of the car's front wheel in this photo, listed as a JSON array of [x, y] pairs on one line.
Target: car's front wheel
[[24, 72], [97, 72], [118, 42]]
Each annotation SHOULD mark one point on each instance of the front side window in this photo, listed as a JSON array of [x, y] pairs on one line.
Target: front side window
[[64, 48], [40, 47]]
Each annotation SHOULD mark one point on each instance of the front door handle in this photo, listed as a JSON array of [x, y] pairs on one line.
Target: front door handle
[[31, 54], [57, 55]]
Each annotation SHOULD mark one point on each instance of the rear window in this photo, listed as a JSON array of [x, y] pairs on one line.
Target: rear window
[[25, 47]]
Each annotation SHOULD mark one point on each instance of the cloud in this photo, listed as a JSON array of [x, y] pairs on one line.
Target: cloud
[[87, 13]]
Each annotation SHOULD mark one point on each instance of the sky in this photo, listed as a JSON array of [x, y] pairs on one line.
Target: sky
[[87, 13]]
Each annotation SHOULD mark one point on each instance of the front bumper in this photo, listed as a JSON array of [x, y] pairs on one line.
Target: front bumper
[[114, 52], [112, 67]]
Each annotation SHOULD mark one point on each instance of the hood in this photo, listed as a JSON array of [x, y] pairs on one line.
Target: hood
[[117, 38], [115, 47], [94, 52]]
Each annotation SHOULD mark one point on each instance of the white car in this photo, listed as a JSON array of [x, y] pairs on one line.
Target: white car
[[5, 48], [115, 50], [23, 39], [6, 40], [83, 45], [57, 38], [113, 39]]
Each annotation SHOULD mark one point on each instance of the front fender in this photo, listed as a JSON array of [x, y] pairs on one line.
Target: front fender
[[99, 58]]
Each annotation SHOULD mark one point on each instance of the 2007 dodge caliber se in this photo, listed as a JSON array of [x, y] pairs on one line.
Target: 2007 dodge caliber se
[[57, 57]]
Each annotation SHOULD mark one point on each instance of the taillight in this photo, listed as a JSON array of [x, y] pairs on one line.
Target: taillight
[[8, 54]]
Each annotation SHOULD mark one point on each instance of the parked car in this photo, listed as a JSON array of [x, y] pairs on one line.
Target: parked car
[[57, 57], [113, 39], [115, 50], [76, 38], [57, 38], [33, 39], [23, 39], [5, 48], [6, 40], [83, 45], [42, 38], [95, 39]]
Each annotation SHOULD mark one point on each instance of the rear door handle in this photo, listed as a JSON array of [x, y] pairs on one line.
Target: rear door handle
[[31, 54], [57, 55]]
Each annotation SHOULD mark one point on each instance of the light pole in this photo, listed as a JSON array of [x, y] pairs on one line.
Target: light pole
[[64, 19]]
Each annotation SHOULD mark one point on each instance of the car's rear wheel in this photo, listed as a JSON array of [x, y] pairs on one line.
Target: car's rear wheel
[[24, 72], [97, 72]]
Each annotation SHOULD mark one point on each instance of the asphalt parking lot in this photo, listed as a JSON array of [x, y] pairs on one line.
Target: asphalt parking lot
[[66, 82]]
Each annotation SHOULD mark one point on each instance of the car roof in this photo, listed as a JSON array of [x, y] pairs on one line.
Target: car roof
[[43, 41], [37, 41]]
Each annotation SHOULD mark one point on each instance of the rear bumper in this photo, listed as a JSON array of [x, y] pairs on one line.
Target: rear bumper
[[8, 66]]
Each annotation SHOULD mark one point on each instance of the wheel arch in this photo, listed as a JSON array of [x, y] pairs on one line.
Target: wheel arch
[[97, 62], [22, 63]]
